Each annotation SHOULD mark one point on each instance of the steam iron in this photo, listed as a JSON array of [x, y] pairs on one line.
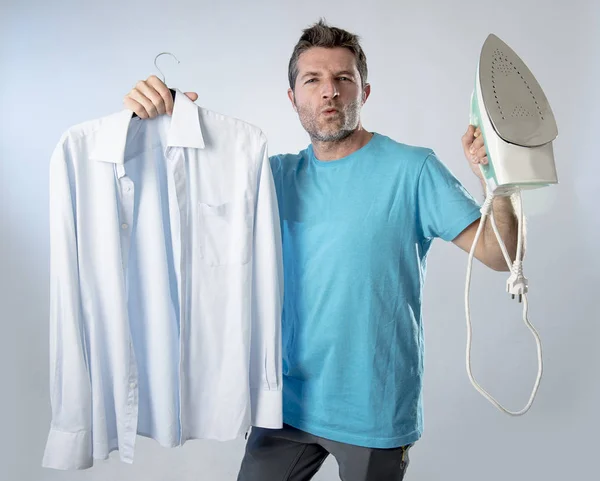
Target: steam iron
[[518, 127]]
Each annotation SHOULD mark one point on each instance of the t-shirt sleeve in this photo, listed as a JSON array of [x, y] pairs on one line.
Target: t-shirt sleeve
[[274, 160], [444, 207]]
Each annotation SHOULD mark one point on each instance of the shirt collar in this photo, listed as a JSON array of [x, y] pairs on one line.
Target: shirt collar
[[184, 131]]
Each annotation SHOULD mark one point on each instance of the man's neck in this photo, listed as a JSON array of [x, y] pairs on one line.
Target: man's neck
[[327, 151]]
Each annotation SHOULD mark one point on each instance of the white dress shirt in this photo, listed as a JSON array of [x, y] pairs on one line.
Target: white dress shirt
[[166, 284]]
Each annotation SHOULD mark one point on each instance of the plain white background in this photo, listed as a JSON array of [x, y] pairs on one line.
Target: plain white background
[[64, 62]]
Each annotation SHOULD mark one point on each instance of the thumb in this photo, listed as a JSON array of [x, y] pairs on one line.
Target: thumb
[[468, 137], [193, 96]]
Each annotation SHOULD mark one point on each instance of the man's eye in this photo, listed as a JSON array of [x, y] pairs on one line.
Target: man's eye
[[344, 78], [311, 80]]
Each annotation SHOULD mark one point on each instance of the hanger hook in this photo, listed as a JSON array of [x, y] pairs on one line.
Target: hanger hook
[[156, 58]]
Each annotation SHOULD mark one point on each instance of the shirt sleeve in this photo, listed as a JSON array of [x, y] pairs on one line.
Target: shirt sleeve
[[69, 443], [267, 303], [445, 208]]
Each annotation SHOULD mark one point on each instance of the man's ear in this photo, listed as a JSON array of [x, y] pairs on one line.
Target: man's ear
[[292, 99], [366, 93]]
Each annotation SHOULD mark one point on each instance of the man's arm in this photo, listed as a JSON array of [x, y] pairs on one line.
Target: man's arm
[[488, 249]]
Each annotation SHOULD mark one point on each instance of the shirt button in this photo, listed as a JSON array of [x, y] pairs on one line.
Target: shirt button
[[124, 226], [132, 385]]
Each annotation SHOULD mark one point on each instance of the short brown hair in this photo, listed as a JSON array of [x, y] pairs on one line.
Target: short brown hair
[[323, 35]]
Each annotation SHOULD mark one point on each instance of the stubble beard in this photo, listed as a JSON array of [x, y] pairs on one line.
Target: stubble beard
[[321, 129]]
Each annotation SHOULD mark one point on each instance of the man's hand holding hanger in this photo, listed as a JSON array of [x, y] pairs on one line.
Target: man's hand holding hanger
[[151, 97]]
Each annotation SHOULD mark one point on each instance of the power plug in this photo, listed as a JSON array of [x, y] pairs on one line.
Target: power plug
[[517, 283]]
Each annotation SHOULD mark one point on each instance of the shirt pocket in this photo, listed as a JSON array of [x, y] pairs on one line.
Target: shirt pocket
[[226, 233]]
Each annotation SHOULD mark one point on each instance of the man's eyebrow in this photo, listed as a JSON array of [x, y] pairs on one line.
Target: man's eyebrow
[[349, 73], [311, 74]]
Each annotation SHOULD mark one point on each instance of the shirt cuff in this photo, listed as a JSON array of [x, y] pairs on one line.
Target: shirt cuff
[[66, 450], [266, 408]]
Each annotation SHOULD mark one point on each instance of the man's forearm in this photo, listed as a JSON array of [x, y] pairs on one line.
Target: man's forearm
[[506, 219]]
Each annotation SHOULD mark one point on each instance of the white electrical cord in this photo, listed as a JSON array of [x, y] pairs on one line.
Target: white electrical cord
[[516, 285]]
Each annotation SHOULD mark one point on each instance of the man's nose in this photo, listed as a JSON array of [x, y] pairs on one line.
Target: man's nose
[[330, 90]]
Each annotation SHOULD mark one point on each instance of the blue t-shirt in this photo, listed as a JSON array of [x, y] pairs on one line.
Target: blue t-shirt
[[356, 232]]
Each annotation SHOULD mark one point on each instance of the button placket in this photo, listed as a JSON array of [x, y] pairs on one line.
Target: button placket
[[127, 194], [178, 180], [126, 191], [129, 436]]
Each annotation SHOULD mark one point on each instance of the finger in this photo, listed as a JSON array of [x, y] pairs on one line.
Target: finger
[[469, 133], [143, 93], [480, 153], [154, 90], [165, 103], [154, 101], [134, 105], [476, 145], [193, 96], [467, 138], [141, 98], [477, 132]]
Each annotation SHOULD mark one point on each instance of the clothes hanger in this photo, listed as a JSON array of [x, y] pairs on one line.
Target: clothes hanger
[[163, 75]]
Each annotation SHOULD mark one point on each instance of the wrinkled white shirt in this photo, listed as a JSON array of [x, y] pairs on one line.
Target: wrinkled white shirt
[[166, 284]]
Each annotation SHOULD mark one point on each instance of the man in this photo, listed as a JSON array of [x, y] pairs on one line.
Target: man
[[358, 212]]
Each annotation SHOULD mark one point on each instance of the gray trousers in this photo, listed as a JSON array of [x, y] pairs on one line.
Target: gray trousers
[[289, 454]]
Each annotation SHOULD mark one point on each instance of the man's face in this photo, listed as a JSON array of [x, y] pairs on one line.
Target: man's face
[[328, 94]]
